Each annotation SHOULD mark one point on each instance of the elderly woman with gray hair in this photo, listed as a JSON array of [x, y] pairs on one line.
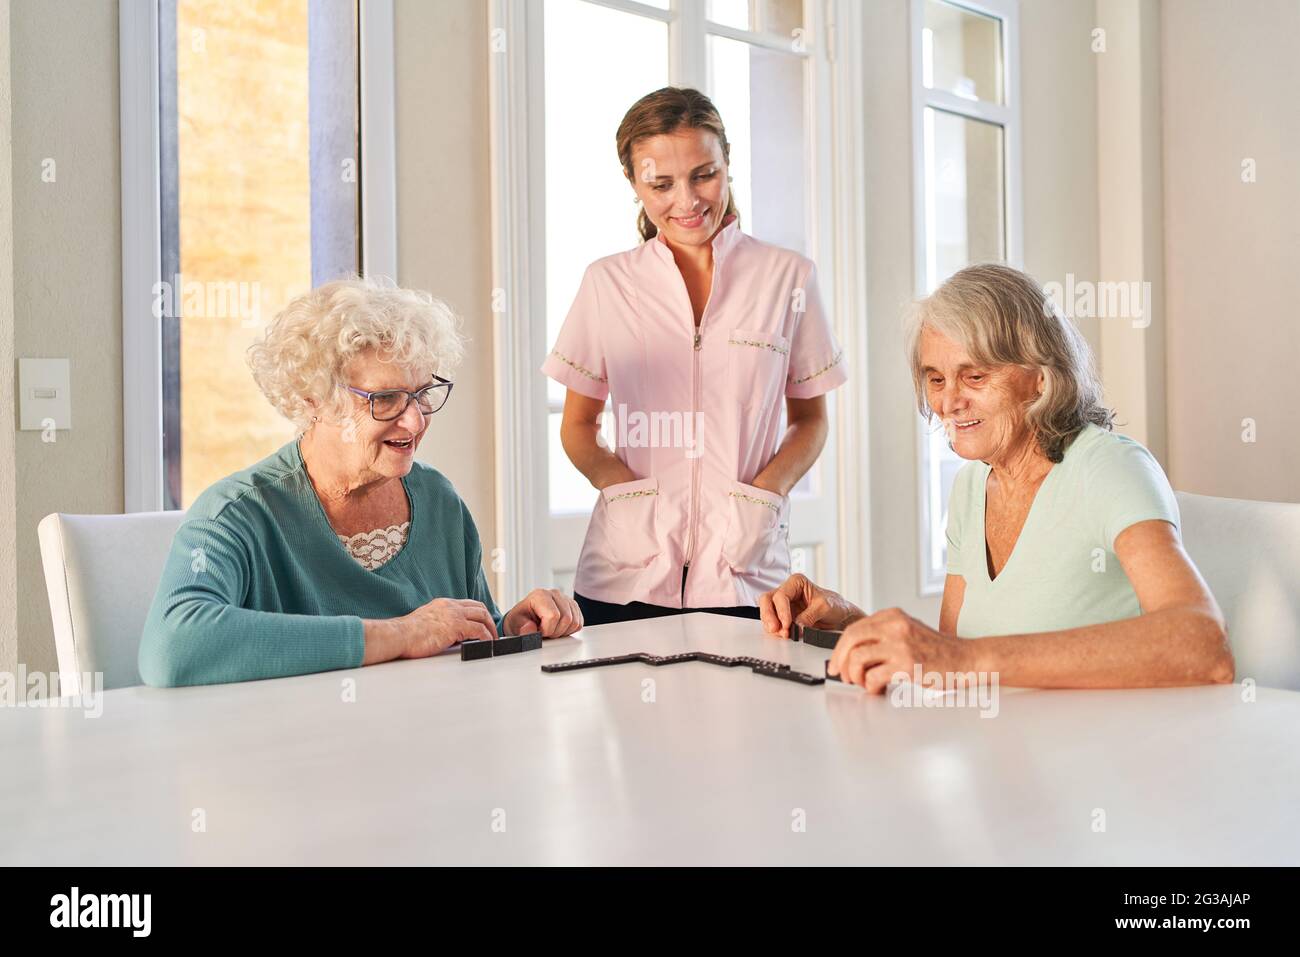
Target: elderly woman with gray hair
[[340, 549], [1065, 566]]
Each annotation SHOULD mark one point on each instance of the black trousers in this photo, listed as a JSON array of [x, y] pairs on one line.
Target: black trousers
[[602, 612]]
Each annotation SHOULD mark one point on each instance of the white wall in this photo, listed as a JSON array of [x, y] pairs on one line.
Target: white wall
[[1231, 83]]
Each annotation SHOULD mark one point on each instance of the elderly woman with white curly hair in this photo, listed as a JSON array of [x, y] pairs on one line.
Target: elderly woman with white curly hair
[[340, 549], [1065, 566]]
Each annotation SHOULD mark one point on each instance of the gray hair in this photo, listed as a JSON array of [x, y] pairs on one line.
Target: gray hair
[[306, 349], [1003, 317]]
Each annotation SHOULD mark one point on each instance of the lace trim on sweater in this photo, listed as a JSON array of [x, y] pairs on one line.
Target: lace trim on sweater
[[377, 546]]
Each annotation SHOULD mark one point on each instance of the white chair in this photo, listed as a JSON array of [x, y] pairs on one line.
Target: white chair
[[101, 572], [1249, 554]]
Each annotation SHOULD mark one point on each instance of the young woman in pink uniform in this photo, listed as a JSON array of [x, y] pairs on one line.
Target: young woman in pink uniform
[[699, 335]]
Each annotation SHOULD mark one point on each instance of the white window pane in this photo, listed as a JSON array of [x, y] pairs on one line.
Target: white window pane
[[730, 13], [962, 52], [570, 490], [590, 205], [964, 205], [590, 208], [941, 466], [554, 392], [760, 95]]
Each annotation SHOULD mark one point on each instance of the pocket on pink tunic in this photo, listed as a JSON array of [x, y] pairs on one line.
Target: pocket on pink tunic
[[630, 522], [757, 364], [757, 538]]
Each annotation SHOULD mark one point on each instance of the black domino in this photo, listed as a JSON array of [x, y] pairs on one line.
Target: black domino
[[818, 638], [830, 677], [475, 650]]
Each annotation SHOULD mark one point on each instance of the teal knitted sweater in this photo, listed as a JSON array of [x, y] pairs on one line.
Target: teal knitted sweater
[[258, 585]]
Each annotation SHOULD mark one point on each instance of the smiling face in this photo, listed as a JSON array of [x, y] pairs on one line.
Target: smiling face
[[367, 450], [681, 180], [982, 406]]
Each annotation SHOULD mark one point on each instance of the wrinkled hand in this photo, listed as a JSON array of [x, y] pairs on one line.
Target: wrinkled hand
[[547, 610], [443, 622], [875, 648], [798, 600]]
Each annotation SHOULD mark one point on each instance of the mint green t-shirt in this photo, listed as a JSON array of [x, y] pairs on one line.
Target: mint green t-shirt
[[1063, 572], [258, 585]]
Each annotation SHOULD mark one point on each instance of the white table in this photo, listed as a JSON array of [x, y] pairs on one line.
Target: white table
[[716, 769]]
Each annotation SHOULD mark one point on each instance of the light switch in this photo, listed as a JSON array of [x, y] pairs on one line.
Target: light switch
[[44, 394]]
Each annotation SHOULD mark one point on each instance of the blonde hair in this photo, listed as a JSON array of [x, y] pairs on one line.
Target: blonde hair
[[665, 111], [1002, 317], [306, 349]]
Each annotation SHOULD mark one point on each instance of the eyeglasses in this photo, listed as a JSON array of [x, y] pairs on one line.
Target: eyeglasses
[[391, 403]]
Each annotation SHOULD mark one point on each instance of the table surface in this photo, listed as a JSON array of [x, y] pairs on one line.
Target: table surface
[[440, 761]]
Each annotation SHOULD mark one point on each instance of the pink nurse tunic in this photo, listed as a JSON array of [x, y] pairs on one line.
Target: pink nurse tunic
[[696, 414]]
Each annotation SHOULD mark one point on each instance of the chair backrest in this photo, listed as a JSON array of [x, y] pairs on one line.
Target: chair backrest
[[1249, 554], [101, 572]]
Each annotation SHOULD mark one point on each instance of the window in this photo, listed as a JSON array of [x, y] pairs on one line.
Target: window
[[252, 136], [259, 203], [757, 61], [967, 207], [590, 207]]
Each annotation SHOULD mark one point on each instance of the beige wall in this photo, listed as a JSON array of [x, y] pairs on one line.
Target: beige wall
[[444, 241], [8, 533], [1060, 143], [1231, 79], [67, 299], [1130, 218]]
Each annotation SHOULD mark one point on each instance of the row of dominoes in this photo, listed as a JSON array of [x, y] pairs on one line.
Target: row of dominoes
[[770, 669], [476, 650]]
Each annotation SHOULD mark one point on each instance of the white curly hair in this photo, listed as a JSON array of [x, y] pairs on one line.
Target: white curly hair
[[306, 349]]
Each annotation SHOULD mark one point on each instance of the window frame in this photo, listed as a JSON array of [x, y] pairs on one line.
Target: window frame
[[142, 363], [1007, 116]]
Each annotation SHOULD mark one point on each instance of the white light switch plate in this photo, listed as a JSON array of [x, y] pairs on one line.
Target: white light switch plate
[[44, 394]]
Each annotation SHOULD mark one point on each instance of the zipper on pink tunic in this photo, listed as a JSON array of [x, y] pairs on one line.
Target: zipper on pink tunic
[[695, 401]]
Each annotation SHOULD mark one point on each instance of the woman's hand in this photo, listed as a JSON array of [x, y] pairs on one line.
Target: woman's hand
[[443, 622], [546, 610], [875, 648], [799, 601]]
